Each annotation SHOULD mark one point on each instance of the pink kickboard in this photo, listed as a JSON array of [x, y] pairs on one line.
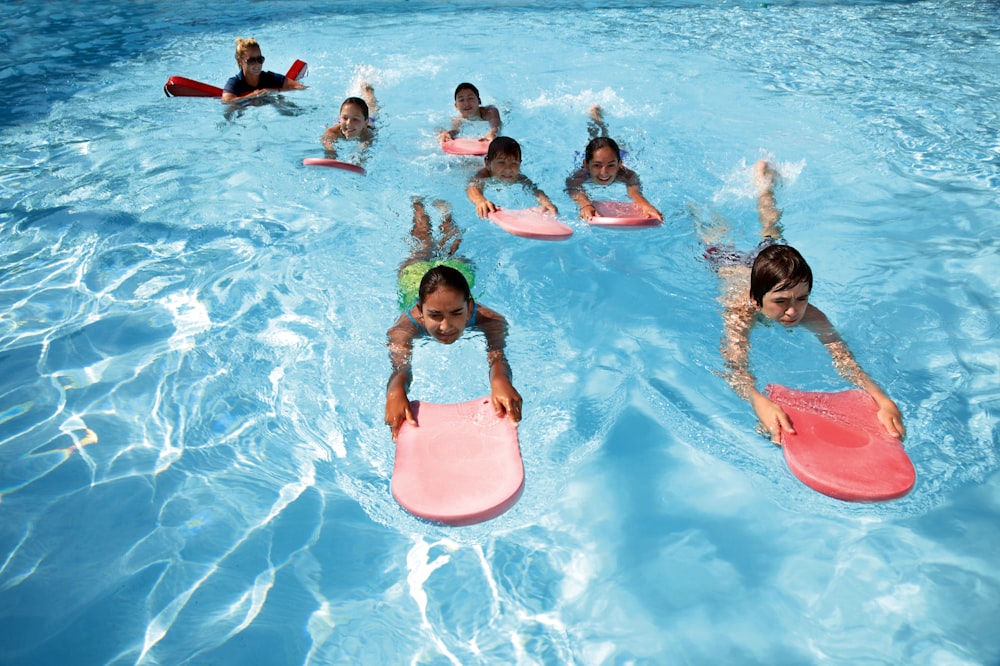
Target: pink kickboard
[[336, 164], [461, 465], [465, 146], [840, 449], [531, 223], [621, 214]]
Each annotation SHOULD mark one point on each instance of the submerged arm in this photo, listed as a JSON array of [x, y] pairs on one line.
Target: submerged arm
[[738, 320], [491, 115], [506, 400], [634, 190], [540, 196], [474, 190], [847, 367], [328, 139], [397, 402], [574, 188]]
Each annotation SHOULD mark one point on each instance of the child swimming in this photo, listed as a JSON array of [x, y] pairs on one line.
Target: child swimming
[[353, 122], [503, 163], [470, 107], [778, 282], [252, 81], [441, 307], [602, 165]]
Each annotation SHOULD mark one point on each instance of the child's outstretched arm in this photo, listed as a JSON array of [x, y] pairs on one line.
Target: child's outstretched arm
[[506, 400], [738, 320], [397, 402], [634, 191], [543, 199], [329, 138], [492, 116], [847, 367], [474, 190], [448, 135], [574, 188]]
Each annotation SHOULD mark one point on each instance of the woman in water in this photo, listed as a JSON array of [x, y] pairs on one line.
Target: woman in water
[[252, 80]]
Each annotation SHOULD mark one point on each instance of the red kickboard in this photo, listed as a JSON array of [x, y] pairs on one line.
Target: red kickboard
[[460, 465], [531, 223], [465, 146], [335, 164], [840, 449], [621, 214], [179, 86]]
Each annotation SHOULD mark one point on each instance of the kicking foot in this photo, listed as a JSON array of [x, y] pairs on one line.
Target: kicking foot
[[764, 176]]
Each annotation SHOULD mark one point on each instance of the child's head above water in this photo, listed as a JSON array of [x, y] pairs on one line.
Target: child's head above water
[[503, 158], [601, 142], [602, 160], [503, 146], [443, 277], [467, 100], [353, 117], [357, 104], [466, 87], [445, 303], [780, 284]]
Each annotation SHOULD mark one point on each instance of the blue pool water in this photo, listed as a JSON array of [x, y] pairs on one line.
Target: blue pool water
[[193, 465]]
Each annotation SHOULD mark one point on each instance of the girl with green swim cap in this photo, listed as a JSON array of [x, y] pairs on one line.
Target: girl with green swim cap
[[443, 309]]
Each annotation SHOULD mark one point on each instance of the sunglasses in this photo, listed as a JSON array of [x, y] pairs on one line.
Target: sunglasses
[[254, 59]]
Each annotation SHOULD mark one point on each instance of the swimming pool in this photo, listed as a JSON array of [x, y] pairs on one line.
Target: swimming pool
[[194, 465]]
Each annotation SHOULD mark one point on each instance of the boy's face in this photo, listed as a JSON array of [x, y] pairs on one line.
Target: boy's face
[[505, 167], [467, 103], [352, 121], [787, 306], [603, 166]]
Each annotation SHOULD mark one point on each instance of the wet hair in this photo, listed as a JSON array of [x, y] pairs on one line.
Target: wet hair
[[243, 45], [601, 142], [358, 102], [467, 86], [443, 276], [503, 146], [778, 267]]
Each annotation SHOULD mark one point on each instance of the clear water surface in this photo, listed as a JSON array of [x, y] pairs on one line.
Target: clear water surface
[[193, 465]]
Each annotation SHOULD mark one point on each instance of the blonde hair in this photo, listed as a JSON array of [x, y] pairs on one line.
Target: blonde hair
[[244, 45]]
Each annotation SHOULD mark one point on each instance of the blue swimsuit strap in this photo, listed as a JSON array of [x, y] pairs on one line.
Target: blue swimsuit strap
[[472, 319], [410, 317]]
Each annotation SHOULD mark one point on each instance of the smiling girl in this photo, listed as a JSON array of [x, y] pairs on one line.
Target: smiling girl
[[353, 121], [602, 166]]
